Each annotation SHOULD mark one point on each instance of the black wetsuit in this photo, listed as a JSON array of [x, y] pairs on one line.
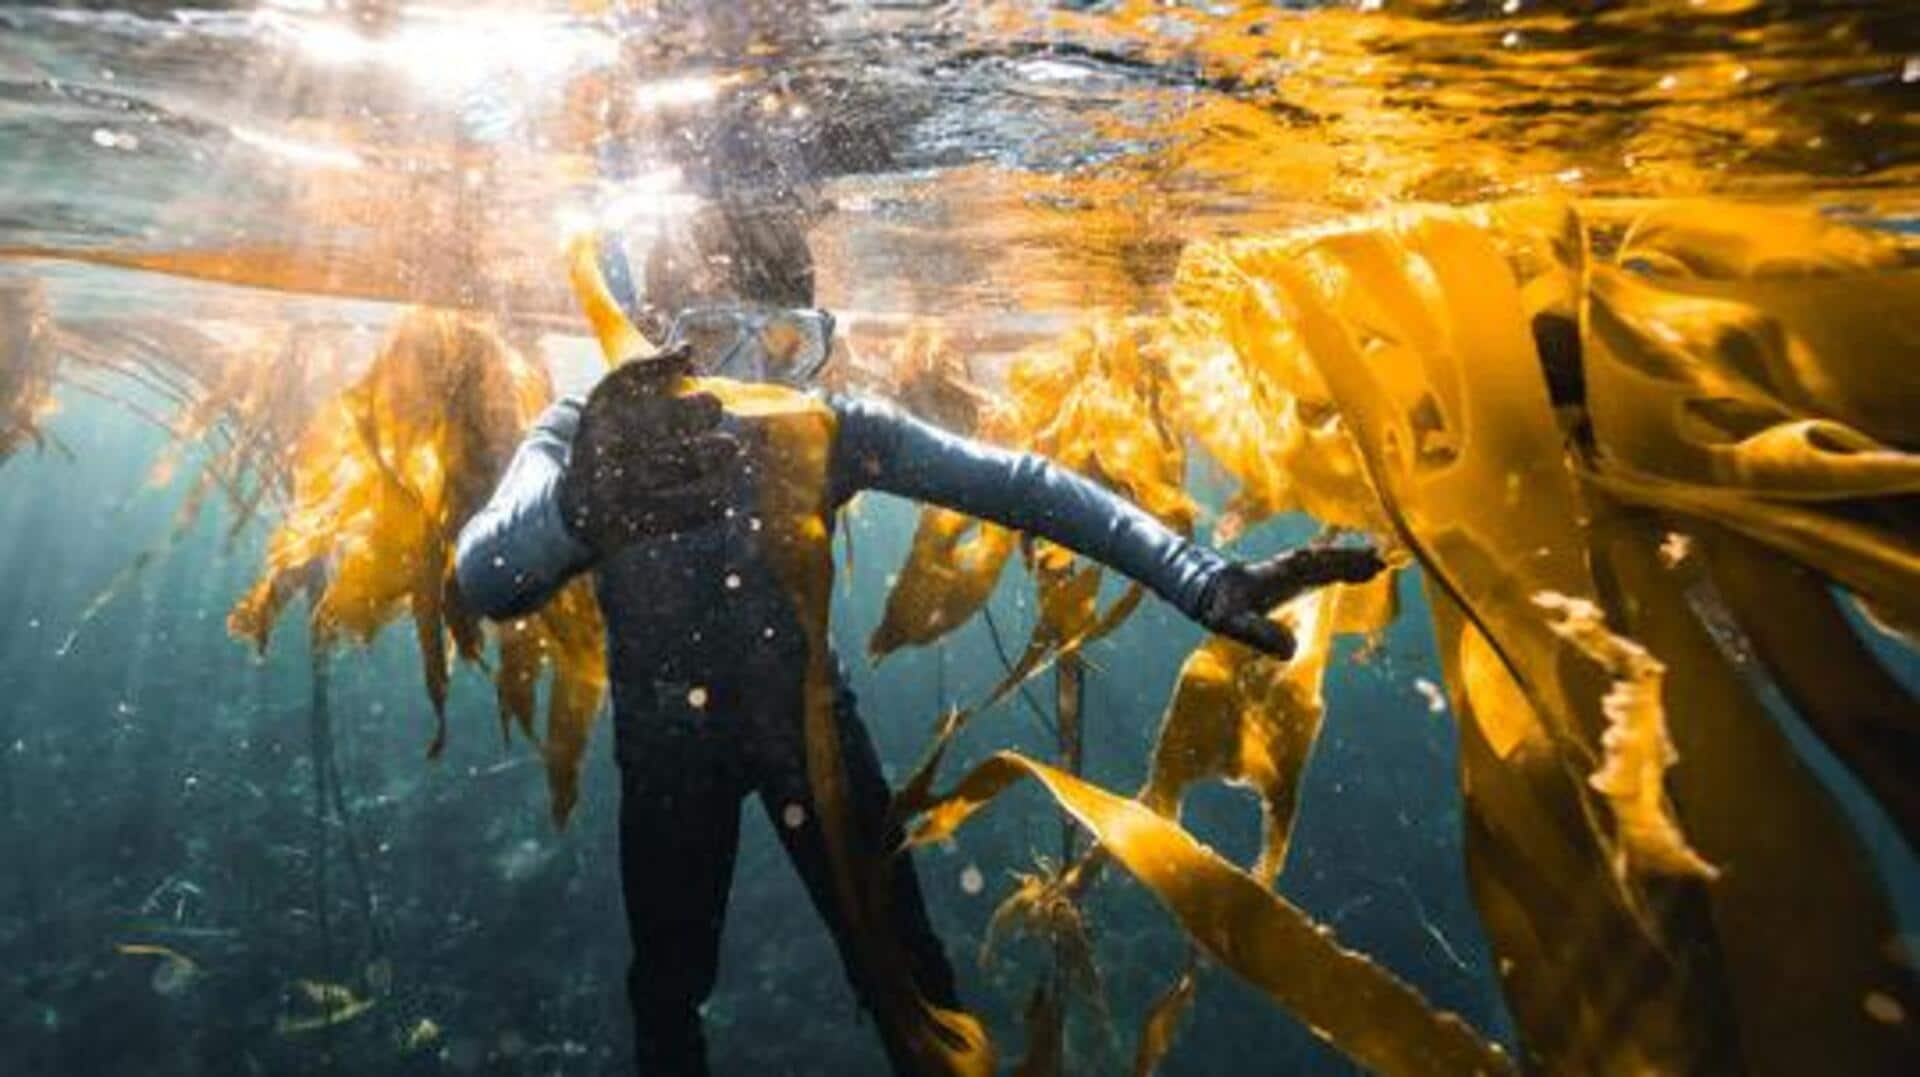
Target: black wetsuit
[[707, 662]]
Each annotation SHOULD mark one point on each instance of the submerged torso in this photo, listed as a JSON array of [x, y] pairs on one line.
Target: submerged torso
[[702, 615]]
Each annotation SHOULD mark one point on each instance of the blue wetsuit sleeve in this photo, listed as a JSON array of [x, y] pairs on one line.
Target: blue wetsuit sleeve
[[880, 447], [516, 551]]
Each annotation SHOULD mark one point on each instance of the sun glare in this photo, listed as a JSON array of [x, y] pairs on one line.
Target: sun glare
[[443, 50]]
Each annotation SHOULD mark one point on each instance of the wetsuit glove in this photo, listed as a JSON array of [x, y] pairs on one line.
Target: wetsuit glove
[[645, 460], [1237, 602]]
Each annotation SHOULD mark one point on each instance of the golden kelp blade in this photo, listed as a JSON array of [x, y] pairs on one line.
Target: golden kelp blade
[[1739, 384], [952, 567], [174, 971], [1418, 330], [1725, 240], [926, 373], [1588, 989], [336, 1005], [1409, 340], [1069, 617], [148, 949], [1872, 553], [567, 637], [1799, 913], [339, 274], [1109, 422], [1766, 403], [1805, 642], [618, 339], [384, 478], [28, 363], [1044, 905], [1741, 381], [1260, 411], [1091, 402], [1632, 775], [1248, 718], [1419, 327], [1163, 1022], [1355, 1005]]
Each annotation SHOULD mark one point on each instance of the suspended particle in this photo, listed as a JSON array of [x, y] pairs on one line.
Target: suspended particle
[[424, 1033], [1884, 1008], [697, 697], [174, 975], [1674, 548], [1436, 699], [512, 1043], [971, 880], [794, 816]]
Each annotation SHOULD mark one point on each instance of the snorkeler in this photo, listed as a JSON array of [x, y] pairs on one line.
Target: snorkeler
[[650, 492]]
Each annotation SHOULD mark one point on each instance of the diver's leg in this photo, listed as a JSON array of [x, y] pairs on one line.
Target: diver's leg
[[679, 825], [781, 775]]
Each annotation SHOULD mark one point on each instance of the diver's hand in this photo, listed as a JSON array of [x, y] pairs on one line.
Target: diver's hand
[[645, 462], [1237, 603]]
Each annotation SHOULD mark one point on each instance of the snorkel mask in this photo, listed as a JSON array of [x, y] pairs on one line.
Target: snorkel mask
[[756, 344]]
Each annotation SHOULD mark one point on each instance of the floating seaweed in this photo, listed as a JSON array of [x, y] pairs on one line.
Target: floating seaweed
[[383, 479], [327, 1005], [172, 973], [28, 365], [1414, 341]]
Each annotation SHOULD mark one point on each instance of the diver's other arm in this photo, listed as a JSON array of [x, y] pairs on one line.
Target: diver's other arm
[[636, 460], [883, 448], [517, 550]]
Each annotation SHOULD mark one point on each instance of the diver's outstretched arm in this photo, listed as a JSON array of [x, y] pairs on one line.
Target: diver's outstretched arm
[[517, 551], [882, 448]]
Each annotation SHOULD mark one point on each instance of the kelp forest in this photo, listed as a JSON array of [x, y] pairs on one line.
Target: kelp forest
[[1598, 318]]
